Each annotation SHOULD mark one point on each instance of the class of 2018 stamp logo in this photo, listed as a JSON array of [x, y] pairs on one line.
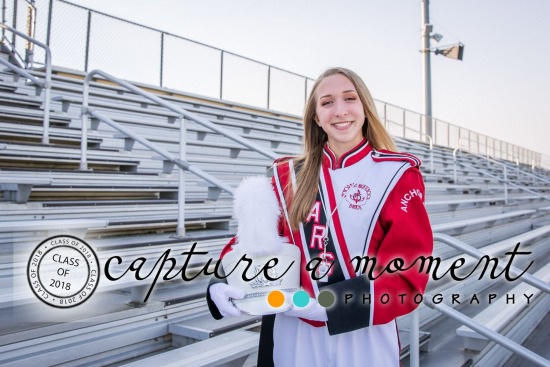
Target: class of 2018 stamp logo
[[63, 271]]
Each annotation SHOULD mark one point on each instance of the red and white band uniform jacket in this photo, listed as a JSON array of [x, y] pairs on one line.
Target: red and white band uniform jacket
[[373, 204]]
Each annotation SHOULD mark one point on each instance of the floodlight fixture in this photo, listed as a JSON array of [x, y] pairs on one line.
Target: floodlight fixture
[[453, 51]]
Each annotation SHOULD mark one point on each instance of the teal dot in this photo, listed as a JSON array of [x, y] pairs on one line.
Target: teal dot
[[300, 299], [326, 299]]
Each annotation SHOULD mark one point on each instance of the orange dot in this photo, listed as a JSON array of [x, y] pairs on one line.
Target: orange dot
[[276, 298]]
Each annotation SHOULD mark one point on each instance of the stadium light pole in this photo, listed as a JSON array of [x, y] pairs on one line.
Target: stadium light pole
[[426, 67], [452, 51]]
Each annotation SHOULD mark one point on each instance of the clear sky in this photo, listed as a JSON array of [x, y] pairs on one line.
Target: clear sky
[[501, 88]]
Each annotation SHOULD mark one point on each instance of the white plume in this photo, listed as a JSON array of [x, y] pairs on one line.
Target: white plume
[[257, 212]]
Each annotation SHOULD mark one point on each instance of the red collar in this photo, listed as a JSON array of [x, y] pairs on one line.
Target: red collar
[[347, 159]]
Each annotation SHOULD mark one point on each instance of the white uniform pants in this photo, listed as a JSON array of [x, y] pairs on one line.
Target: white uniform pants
[[297, 343]]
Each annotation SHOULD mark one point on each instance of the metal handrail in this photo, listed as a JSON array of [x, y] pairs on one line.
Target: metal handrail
[[465, 320], [490, 334], [419, 146], [507, 182], [180, 162], [505, 171], [47, 83], [163, 152], [525, 173], [431, 150], [180, 111], [16, 69]]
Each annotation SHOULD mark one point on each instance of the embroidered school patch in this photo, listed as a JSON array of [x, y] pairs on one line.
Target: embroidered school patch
[[356, 195]]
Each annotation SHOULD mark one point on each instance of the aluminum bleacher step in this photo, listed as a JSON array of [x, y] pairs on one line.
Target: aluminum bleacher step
[[7, 87], [52, 162], [25, 115], [452, 204], [37, 225], [487, 221], [18, 189], [156, 241], [48, 227], [54, 138], [67, 101], [204, 326], [233, 347]]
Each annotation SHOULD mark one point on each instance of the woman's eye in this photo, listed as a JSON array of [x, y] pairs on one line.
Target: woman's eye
[[350, 99], [324, 103]]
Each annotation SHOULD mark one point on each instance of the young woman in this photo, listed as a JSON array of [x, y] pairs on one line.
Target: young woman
[[347, 200]]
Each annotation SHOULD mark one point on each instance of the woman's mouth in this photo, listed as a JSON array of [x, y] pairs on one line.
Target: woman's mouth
[[342, 124]]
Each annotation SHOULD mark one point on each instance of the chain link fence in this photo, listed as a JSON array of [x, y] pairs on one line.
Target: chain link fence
[[84, 39]]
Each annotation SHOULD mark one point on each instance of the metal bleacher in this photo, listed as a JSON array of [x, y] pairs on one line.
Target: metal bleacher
[[125, 204]]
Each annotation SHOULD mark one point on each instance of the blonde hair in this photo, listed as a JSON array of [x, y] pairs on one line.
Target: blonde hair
[[307, 177]]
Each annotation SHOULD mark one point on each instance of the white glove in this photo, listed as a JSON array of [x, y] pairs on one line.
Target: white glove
[[221, 294], [312, 311]]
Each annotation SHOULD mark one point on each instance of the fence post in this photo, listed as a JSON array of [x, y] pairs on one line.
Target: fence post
[[434, 130], [3, 16], [386, 117], [305, 90], [448, 135], [268, 84], [221, 76], [161, 56], [14, 23], [87, 56], [404, 122], [49, 29]]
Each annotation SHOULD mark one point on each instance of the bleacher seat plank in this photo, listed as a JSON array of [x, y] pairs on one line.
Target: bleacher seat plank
[[9, 113], [223, 349], [487, 219], [205, 326], [38, 225], [456, 202], [18, 189]]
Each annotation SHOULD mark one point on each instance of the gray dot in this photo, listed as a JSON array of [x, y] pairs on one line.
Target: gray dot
[[326, 298]]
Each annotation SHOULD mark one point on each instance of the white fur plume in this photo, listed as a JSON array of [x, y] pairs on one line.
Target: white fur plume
[[257, 212]]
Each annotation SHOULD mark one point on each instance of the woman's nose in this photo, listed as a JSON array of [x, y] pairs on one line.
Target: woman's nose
[[340, 110]]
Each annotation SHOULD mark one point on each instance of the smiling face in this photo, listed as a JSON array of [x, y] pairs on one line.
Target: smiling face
[[339, 112]]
